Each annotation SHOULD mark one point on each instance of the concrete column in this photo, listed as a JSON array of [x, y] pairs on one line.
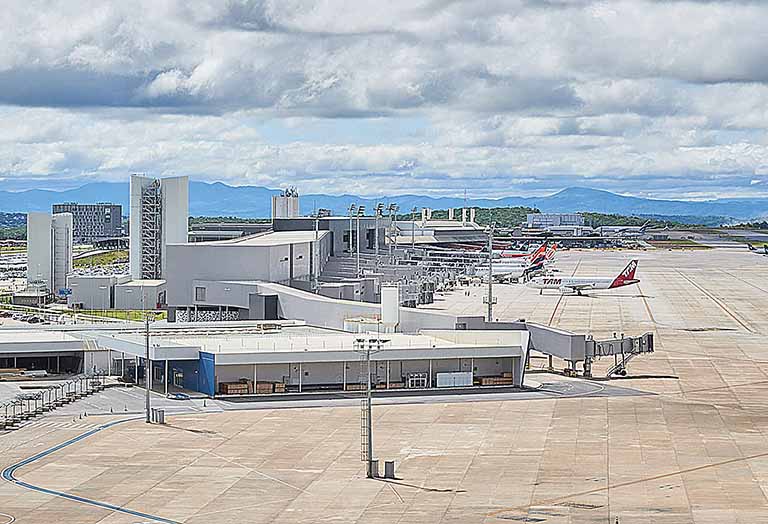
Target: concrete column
[[429, 382], [301, 376], [165, 377], [58, 364], [14, 362], [136, 360], [344, 375], [122, 364], [109, 362], [387, 374]]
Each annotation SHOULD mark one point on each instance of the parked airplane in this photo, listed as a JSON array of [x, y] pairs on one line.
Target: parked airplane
[[514, 269], [764, 252], [509, 253], [624, 231], [579, 284], [543, 250]]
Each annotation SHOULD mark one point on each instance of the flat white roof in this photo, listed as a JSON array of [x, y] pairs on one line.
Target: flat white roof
[[142, 283], [310, 339], [274, 238], [13, 336], [296, 343]]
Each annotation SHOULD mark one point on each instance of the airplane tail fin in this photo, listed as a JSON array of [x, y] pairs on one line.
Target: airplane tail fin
[[550, 254], [536, 255], [765, 249], [750, 246], [627, 276]]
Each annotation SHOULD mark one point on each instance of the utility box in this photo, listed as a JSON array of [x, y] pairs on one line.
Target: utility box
[[454, 379], [389, 469]]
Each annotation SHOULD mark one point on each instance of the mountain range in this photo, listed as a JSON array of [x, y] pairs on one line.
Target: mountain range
[[218, 199]]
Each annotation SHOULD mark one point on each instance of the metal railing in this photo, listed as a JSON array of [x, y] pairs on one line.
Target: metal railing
[[26, 406]]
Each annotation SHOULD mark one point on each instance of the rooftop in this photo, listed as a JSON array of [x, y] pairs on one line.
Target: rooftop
[[310, 339], [142, 283], [274, 238], [25, 335]]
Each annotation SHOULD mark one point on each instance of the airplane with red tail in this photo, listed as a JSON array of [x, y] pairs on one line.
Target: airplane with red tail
[[579, 284]]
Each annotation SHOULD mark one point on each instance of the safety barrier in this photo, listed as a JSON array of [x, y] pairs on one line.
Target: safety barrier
[[26, 406]]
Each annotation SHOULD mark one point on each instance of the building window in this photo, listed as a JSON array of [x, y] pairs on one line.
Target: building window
[[199, 294]]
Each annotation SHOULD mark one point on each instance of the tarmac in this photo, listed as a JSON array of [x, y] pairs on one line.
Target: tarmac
[[682, 439]]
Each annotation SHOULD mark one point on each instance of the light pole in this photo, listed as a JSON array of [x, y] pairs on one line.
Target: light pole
[[413, 227], [393, 208], [147, 367], [320, 213], [360, 212], [377, 214], [352, 211], [365, 346], [490, 299]]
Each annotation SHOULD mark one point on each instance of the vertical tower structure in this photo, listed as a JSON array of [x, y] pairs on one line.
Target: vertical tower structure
[[49, 250], [159, 216], [286, 204]]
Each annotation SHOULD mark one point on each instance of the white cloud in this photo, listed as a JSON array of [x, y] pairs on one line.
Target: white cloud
[[524, 94]]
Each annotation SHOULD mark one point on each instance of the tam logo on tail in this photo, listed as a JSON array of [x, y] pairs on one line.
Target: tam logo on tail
[[627, 276]]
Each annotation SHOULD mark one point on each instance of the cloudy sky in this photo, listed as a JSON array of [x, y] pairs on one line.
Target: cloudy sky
[[656, 98]]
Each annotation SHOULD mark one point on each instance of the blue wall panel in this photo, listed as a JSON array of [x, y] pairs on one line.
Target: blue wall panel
[[207, 373], [191, 371]]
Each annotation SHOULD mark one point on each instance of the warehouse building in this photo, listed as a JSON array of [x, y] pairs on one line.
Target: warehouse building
[[115, 292], [550, 220]]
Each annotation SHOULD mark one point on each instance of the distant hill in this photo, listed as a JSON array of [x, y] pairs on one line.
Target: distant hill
[[214, 199]]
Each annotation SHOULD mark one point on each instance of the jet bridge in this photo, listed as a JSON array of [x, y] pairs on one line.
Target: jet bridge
[[575, 348], [621, 349]]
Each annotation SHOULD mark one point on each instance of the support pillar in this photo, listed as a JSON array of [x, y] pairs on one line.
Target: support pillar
[[344, 375], [429, 382], [301, 376], [387, 374], [58, 364], [136, 360], [122, 364], [165, 378]]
